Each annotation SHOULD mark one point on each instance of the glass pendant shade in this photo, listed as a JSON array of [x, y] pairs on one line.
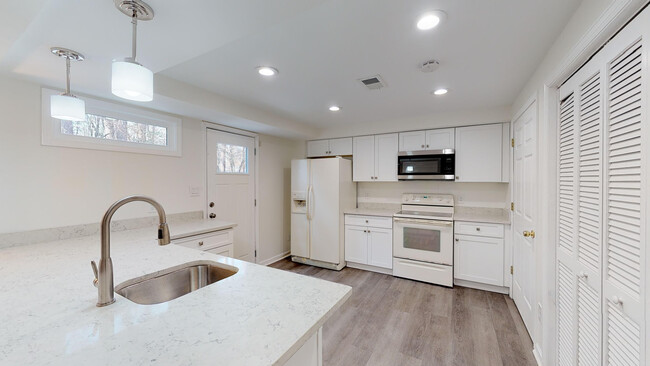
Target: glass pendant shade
[[67, 108], [132, 81]]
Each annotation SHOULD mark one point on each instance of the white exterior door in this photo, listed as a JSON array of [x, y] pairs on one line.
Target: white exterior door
[[231, 187], [525, 194]]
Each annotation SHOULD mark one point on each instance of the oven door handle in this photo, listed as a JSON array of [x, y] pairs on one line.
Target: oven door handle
[[427, 222]]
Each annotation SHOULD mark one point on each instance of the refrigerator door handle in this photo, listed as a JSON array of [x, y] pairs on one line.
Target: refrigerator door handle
[[309, 203]]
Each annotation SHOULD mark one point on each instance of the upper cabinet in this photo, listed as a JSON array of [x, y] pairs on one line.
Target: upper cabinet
[[374, 158], [332, 147], [482, 153], [427, 140]]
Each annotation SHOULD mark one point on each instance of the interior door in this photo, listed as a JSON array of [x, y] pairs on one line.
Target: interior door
[[231, 187], [524, 193], [324, 205]]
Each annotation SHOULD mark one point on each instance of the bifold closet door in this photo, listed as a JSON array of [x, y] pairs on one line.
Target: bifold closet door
[[625, 217], [602, 185], [579, 251]]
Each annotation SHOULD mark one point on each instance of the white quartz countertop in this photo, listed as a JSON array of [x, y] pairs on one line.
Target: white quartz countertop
[[259, 316], [482, 214], [196, 227], [370, 212]]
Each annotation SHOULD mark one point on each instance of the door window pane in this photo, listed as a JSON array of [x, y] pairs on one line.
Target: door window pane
[[232, 159], [422, 239]]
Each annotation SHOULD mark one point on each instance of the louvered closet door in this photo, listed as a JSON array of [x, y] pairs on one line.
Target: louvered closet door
[[625, 147], [579, 242]]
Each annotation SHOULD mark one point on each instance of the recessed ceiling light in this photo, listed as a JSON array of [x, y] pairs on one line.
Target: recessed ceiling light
[[441, 91], [335, 108], [431, 19], [267, 71]]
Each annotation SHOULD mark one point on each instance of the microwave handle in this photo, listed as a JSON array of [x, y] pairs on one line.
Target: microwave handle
[[428, 222]]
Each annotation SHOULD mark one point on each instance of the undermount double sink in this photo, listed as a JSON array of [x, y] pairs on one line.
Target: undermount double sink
[[174, 282]]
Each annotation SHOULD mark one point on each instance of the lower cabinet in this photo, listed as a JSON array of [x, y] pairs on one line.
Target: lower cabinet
[[479, 255], [217, 242], [370, 244]]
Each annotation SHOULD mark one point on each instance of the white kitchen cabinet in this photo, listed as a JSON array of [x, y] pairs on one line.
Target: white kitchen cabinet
[[479, 255], [369, 242], [363, 159], [356, 244], [375, 158], [380, 247], [440, 139], [331, 147], [217, 242], [412, 141], [480, 153]]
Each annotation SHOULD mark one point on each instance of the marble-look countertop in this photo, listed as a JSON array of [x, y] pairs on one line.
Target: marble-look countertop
[[259, 316], [482, 214], [184, 229], [370, 212]]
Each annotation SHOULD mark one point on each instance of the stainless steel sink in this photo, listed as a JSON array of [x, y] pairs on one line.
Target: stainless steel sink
[[174, 282]]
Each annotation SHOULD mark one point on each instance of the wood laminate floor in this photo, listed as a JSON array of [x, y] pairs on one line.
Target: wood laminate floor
[[394, 321]]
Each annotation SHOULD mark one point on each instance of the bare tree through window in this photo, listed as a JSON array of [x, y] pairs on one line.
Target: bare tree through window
[[108, 128], [232, 159]]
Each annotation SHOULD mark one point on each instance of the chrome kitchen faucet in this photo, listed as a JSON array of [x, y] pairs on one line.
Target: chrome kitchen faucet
[[104, 277]]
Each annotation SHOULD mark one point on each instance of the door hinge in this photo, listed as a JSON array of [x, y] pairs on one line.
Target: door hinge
[[256, 254], [255, 202], [512, 270], [255, 150], [512, 206], [512, 142]]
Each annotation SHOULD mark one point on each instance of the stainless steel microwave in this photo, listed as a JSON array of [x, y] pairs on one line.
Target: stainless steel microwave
[[426, 165]]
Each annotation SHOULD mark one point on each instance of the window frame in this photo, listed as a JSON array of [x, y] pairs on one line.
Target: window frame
[[52, 135], [235, 173]]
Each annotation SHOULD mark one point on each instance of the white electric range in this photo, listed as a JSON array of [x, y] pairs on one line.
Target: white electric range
[[423, 238]]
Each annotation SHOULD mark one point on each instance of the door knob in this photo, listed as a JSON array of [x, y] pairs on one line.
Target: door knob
[[532, 234], [526, 234], [213, 215], [211, 204]]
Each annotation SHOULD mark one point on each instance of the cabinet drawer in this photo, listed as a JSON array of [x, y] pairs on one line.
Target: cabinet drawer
[[371, 221], [226, 251], [207, 241], [479, 229]]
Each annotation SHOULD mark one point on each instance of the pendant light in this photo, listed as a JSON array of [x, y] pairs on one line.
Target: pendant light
[[66, 106], [130, 80]]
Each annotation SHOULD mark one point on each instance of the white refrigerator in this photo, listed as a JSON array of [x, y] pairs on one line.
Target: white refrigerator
[[321, 190]]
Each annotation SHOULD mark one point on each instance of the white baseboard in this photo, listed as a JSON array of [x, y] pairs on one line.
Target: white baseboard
[[537, 355], [482, 286], [366, 267], [275, 258]]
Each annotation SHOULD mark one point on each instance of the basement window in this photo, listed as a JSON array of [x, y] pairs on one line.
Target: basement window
[[114, 127]]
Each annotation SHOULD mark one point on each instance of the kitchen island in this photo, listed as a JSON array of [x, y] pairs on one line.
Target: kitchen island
[[258, 316]]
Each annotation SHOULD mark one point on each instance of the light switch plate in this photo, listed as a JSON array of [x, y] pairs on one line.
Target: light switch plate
[[195, 191]]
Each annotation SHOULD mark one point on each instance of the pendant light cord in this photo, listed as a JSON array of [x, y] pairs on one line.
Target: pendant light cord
[[67, 76], [134, 41]]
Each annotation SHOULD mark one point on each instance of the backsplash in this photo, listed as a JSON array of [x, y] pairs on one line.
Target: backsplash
[[386, 195], [76, 231]]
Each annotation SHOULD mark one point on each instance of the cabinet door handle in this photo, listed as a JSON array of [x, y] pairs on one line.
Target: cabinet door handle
[[427, 146], [478, 229], [457, 177], [457, 239], [423, 146], [617, 301], [200, 243]]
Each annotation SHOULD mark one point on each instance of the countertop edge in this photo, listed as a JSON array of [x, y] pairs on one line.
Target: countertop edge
[[203, 231], [302, 340]]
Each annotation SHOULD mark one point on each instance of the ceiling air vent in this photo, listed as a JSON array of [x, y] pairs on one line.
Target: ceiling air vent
[[373, 82]]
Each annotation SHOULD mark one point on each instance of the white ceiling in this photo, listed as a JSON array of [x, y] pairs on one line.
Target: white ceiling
[[487, 50]]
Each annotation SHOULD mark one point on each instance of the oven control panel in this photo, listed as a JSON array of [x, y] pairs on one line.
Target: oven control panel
[[428, 199]]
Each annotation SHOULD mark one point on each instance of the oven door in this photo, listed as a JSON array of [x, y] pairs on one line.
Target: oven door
[[423, 240]]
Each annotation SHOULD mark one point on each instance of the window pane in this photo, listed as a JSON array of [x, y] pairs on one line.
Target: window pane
[[108, 128], [232, 159]]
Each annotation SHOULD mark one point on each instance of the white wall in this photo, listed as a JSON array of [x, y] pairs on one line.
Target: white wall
[[576, 43], [46, 186], [493, 195], [274, 192]]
